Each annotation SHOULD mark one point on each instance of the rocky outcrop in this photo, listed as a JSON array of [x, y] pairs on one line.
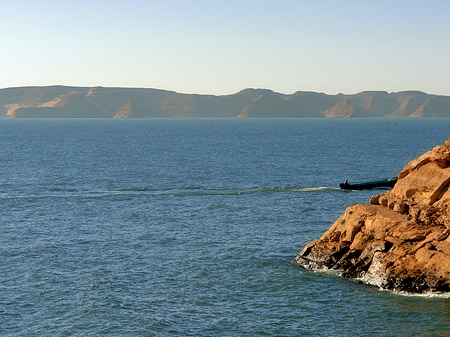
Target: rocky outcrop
[[344, 109], [399, 240], [124, 111]]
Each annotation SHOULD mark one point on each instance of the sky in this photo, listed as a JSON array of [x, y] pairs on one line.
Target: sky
[[221, 47]]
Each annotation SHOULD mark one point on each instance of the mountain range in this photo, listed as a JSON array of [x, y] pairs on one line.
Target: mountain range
[[106, 102]]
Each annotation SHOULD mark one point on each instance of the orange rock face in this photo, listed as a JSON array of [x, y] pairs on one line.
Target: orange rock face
[[400, 239]]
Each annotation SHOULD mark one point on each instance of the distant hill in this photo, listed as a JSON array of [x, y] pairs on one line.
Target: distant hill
[[101, 102]]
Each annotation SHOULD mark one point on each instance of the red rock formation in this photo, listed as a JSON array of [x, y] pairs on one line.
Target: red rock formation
[[400, 239]]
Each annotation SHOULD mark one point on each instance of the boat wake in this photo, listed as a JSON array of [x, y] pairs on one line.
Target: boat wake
[[200, 192], [144, 192]]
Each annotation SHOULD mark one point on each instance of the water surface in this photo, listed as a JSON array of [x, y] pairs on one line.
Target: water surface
[[190, 227]]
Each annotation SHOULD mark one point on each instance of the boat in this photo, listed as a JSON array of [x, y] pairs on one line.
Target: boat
[[389, 183]]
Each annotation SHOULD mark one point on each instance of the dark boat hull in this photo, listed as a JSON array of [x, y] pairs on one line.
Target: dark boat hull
[[388, 183]]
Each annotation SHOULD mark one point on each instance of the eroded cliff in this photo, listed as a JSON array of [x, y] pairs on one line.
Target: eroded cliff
[[400, 239], [101, 102]]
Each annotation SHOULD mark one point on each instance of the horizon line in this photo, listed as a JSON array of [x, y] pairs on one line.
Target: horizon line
[[228, 94]]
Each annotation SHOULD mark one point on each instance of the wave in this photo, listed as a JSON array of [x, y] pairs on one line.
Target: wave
[[207, 191], [138, 192], [428, 294]]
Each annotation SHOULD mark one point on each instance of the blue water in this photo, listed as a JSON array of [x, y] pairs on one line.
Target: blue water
[[190, 227]]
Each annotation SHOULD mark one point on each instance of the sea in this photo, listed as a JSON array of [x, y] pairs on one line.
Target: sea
[[190, 227]]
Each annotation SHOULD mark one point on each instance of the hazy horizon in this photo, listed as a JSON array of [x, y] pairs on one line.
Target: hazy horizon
[[222, 94], [220, 47]]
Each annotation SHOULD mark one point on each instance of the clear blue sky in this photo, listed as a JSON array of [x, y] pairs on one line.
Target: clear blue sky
[[221, 47]]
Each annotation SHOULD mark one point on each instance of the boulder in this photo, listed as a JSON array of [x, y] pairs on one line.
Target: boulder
[[399, 240]]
